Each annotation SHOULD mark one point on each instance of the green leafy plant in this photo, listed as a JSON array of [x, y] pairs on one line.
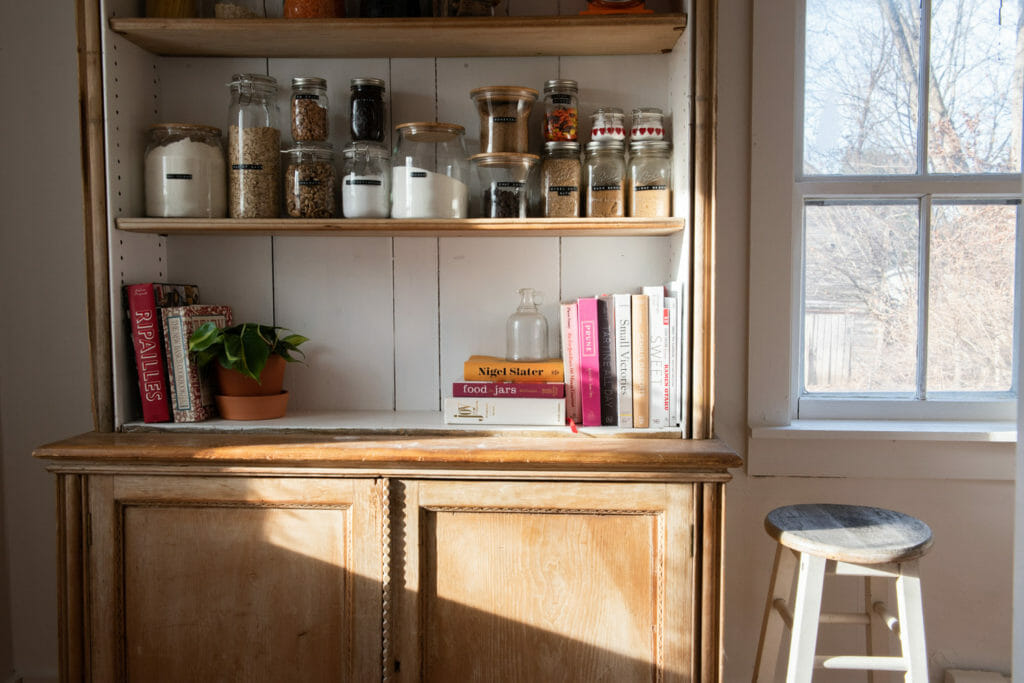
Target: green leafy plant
[[244, 347]]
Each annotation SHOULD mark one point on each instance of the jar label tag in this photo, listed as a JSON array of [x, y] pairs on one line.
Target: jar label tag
[[418, 174], [309, 183], [306, 96], [179, 176], [605, 188], [363, 181], [563, 190], [504, 119], [561, 99], [643, 188], [246, 167], [510, 183]]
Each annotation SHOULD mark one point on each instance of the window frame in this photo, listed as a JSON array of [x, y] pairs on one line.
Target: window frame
[[775, 295]]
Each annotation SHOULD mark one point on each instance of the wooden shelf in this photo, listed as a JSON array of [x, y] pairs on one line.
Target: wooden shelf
[[421, 37], [407, 227]]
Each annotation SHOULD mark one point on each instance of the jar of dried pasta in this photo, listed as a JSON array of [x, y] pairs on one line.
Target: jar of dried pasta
[[560, 170], [650, 179], [604, 174]]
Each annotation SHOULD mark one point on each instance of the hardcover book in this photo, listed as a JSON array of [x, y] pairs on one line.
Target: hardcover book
[[192, 396], [494, 369], [641, 368], [672, 360], [623, 319], [590, 369], [143, 302], [569, 325], [606, 361], [656, 331], [509, 389], [505, 411]]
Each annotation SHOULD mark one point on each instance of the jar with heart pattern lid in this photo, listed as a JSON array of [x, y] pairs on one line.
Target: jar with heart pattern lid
[[608, 124], [648, 124]]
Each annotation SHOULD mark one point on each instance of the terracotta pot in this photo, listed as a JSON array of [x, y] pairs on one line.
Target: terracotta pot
[[252, 407], [234, 383]]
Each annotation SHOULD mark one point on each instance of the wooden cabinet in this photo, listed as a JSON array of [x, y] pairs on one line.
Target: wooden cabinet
[[287, 558]]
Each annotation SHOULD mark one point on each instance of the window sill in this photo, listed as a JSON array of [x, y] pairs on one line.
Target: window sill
[[884, 449]]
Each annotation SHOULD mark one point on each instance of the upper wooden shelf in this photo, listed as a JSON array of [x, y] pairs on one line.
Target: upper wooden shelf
[[420, 37], [407, 227]]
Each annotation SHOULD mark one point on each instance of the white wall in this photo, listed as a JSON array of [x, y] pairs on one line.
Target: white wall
[[44, 386], [44, 362], [967, 576]]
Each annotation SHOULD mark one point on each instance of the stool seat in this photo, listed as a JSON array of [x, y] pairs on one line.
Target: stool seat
[[849, 533]]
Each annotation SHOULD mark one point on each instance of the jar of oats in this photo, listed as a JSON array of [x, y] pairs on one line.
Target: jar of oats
[[604, 174], [309, 109], [310, 182], [650, 179], [560, 170], [254, 148]]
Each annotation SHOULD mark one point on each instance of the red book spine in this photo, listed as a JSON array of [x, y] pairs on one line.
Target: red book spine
[[147, 340], [590, 366], [509, 389]]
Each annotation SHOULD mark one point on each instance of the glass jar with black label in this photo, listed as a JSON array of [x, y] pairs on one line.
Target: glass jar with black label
[[604, 174], [310, 180], [254, 148], [650, 179], [560, 171], [561, 111], [366, 181], [367, 109], [504, 179]]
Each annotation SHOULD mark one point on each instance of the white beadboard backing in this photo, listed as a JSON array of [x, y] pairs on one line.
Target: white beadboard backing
[[391, 319]]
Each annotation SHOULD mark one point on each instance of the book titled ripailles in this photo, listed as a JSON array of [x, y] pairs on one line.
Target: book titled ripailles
[[494, 369], [509, 389], [505, 411]]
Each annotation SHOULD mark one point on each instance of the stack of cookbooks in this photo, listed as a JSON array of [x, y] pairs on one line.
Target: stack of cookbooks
[[499, 391]]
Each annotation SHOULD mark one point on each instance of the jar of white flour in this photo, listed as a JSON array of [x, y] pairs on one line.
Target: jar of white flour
[[184, 172]]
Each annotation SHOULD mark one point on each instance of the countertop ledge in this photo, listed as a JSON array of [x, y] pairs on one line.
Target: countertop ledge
[[376, 452]]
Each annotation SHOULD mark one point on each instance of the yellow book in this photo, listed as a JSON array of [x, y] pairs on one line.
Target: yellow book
[[494, 369], [641, 362]]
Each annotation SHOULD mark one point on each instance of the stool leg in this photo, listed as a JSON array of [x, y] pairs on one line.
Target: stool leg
[[875, 590], [911, 616], [780, 588], [806, 611]]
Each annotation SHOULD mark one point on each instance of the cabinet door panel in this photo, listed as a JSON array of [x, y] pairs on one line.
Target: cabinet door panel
[[543, 582], [236, 579]]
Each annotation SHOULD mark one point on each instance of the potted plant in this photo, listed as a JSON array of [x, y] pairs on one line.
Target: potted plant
[[250, 369]]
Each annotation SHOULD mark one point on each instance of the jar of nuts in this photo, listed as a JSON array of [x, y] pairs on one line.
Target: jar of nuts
[[310, 180], [309, 109]]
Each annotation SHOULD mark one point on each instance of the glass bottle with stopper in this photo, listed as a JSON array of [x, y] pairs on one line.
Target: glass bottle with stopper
[[527, 329]]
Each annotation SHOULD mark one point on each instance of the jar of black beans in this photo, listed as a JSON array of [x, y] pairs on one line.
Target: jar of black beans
[[367, 98]]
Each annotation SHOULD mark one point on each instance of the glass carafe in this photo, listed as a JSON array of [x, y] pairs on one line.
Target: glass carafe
[[526, 331]]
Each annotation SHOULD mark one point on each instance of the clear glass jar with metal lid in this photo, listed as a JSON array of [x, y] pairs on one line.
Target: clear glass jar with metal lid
[[309, 109], [649, 191], [366, 180], [560, 173], [561, 110], [503, 178], [604, 174], [367, 109], [310, 180], [254, 148], [429, 171], [648, 124], [607, 123], [184, 172]]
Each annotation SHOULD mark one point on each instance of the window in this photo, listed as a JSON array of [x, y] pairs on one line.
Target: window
[[907, 189]]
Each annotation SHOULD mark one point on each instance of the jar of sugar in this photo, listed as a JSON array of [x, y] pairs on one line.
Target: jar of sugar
[[184, 172], [366, 181], [430, 171]]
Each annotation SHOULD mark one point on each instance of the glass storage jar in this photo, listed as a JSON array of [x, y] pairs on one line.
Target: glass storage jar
[[650, 179], [171, 9], [254, 148], [312, 9], [464, 8], [504, 117], [604, 172], [561, 110], [648, 124], [310, 180], [503, 178], [309, 107], [608, 123], [184, 172], [238, 9], [366, 181], [560, 171], [366, 98], [429, 171]]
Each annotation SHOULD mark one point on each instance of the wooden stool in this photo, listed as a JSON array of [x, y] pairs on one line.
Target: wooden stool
[[843, 540]]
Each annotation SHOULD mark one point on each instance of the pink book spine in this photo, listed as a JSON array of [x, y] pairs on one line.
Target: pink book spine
[[590, 365], [571, 362], [509, 389], [147, 338]]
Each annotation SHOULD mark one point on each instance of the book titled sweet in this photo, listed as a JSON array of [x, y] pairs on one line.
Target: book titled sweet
[[657, 332], [142, 303], [569, 326], [590, 365], [641, 366], [494, 369], [509, 389], [505, 411], [192, 397]]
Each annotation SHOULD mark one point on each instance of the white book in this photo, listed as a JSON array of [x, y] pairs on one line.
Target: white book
[[672, 360], [622, 314], [656, 332], [505, 411]]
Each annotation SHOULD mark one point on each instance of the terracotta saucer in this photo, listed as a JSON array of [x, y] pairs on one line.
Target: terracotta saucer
[[252, 407]]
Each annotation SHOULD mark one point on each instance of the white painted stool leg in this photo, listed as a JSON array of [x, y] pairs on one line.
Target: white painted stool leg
[[780, 588], [875, 590], [911, 616], [806, 611]]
